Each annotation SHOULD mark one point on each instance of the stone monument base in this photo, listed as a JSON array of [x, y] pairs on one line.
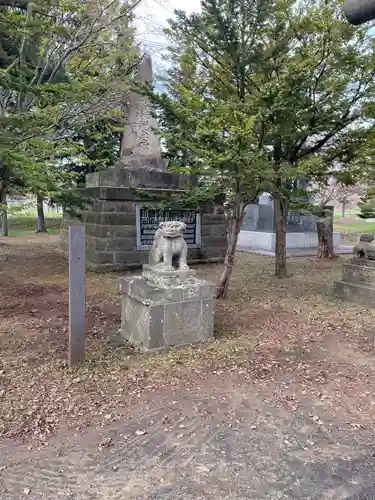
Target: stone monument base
[[263, 242], [358, 282], [113, 221], [155, 317]]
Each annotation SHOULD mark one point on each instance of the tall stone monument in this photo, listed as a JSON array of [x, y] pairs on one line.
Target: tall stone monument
[[167, 305], [122, 222], [139, 139]]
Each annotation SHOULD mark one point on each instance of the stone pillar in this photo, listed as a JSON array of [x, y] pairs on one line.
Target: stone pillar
[[139, 139]]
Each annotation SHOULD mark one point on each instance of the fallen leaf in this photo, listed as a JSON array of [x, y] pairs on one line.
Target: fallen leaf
[[202, 468], [107, 442], [140, 433]]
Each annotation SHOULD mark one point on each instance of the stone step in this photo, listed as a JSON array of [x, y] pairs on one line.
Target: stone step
[[355, 292], [361, 274]]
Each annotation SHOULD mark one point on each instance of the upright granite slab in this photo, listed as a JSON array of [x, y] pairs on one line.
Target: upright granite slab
[[258, 234], [167, 305], [122, 221]]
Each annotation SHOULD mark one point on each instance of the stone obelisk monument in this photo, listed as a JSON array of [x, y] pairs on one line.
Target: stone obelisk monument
[[126, 209], [139, 139]]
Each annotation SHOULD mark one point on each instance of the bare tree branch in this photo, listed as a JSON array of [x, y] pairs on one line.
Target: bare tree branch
[[86, 37]]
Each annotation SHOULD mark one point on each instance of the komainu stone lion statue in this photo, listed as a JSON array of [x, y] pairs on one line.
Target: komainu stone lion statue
[[168, 243], [365, 247]]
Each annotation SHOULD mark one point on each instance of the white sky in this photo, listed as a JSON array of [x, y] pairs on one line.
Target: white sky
[[152, 17]]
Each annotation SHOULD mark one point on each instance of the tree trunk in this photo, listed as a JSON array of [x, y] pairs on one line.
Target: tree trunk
[[4, 231], [234, 226], [343, 206], [324, 228], [41, 223], [281, 212]]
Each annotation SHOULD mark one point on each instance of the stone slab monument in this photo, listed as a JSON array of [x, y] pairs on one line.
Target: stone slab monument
[[258, 233], [121, 225], [358, 276], [167, 305]]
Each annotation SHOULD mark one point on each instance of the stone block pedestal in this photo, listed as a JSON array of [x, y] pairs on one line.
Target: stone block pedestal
[[358, 282], [112, 230], [155, 317], [263, 242]]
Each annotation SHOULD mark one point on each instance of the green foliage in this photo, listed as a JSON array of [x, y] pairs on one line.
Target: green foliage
[[367, 205], [206, 116], [100, 141], [367, 209], [275, 81], [72, 201], [263, 94], [65, 67]]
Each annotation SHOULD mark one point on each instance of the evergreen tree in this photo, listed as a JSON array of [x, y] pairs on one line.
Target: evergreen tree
[[64, 72], [367, 204], [275, 87]]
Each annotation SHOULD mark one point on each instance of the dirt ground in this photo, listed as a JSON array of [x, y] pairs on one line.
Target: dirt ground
[[279, 406]]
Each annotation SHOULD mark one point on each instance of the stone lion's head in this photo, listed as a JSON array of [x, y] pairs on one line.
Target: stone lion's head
[[172, 228]]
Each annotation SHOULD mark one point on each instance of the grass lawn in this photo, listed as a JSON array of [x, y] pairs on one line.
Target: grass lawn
[[352, 225], [292, 336], [25, 225], [352, 228]]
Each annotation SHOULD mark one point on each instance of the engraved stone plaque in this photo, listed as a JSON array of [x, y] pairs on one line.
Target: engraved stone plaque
[[149, 218]]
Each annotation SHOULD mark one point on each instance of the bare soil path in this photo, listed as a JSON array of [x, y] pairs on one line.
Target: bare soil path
[[223, 439], [280, 406]]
